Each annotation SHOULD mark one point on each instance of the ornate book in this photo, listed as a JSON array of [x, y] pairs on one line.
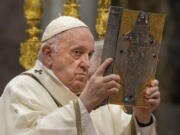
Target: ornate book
[[133, 40]]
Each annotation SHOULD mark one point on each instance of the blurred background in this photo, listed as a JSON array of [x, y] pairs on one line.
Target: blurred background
[[13, 25]]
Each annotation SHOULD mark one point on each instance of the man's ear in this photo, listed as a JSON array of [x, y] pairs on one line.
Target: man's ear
[[47, 56]]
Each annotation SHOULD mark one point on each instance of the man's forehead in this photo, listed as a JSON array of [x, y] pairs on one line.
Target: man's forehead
[[77, 33], [83, 46], [76, 38]]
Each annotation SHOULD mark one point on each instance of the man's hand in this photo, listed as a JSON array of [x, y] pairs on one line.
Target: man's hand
[[152, 97], [99, 87]]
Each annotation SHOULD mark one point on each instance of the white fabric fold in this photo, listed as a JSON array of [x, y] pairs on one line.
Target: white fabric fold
[[28, 109]]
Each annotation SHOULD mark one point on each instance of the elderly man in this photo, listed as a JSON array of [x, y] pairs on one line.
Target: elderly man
[[43, 101]]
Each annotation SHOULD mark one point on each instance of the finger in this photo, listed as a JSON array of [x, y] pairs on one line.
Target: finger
[[101, 69], [111, 77], [154, 83], [154, 102], [155, 95], [112, 91], [112, 84], [151, 90]]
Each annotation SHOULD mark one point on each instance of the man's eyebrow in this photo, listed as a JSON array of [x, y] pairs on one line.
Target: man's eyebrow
[[78, 47]]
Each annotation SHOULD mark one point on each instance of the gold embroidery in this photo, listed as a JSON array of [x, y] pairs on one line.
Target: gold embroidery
[[133, 128], [78, 117]]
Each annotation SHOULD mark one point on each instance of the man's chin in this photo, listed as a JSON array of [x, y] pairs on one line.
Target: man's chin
[[78, 87]]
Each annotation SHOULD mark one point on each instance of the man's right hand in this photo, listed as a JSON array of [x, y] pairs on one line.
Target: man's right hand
[[99, 87]]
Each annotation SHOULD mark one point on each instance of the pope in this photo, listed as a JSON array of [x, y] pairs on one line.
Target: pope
[[56, 97]]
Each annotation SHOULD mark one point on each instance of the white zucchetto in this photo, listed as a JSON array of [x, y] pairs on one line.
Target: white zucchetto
[[61, 24]]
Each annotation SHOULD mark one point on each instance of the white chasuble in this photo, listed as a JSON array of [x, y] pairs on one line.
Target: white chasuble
[[37, 103]]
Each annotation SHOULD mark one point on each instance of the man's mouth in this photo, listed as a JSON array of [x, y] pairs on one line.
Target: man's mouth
[[82, 76]]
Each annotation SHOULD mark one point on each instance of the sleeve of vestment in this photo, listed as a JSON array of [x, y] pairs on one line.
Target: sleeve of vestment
[[117, 122], [147, 130], [28, 109]]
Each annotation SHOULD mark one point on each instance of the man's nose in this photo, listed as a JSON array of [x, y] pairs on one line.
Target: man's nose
[[85, 61]]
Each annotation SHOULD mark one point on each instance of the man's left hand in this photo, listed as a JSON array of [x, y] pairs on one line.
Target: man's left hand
[[152, 97]]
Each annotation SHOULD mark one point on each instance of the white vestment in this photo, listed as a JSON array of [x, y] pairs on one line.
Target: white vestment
[[30, 108]]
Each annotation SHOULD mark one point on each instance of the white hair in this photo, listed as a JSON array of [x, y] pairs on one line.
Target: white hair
[[52, 42], [96, 57]]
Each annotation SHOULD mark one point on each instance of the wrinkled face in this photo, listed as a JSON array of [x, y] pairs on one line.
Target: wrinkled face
[[70, 61]]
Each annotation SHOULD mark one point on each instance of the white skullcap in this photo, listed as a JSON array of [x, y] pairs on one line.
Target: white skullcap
[[59, 25]]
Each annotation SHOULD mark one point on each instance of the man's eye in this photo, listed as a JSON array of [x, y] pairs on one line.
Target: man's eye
[[76, 53]]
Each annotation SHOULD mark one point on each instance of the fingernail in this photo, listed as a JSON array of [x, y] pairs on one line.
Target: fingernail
[[110, 59]]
